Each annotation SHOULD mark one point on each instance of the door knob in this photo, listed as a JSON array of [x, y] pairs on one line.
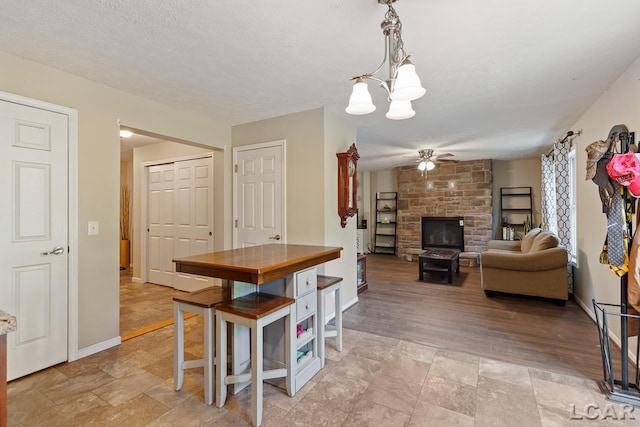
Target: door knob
[[58, 250], [276, 237]]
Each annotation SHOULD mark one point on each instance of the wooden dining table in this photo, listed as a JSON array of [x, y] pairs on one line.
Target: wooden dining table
[[275, 269], [257, 264]]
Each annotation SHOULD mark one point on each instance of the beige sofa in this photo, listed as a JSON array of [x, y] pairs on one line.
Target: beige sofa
[[535, 266]]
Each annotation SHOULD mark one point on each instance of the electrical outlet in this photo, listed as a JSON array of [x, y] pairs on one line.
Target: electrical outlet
[[94, 228]]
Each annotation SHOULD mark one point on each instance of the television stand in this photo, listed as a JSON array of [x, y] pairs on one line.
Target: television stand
[[439, 260]]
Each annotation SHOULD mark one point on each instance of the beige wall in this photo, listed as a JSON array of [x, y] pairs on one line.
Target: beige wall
[[99, 109], [616, 106], [516, 173], [305, 162], [312, 140], [338, 137], [157, 152]]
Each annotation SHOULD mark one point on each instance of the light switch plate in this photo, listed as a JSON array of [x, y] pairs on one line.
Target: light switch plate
[[94, 228]]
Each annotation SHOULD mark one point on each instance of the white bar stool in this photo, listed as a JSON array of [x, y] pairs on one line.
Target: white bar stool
[[202, 303], [254, 311], [327, 285]]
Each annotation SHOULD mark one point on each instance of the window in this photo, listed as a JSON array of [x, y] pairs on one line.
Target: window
[[573, 216]]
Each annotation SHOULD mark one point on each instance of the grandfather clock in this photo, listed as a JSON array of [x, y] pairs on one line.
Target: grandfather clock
[[347, 184]]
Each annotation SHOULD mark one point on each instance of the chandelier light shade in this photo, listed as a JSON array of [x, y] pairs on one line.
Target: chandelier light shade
[[407, 86], [360, 101], [400, 110], [402, 85], [426, 165]]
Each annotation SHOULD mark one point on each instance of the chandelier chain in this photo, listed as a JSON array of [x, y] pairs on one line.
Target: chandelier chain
[[394, 29]]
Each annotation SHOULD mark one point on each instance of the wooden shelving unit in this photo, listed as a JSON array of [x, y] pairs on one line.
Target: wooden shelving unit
[[516, 204], [386, 222]]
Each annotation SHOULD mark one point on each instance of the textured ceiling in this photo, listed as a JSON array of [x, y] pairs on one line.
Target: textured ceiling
[[504, 78]]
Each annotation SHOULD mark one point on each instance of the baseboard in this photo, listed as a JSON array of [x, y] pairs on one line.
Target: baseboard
[[345, 307], [136, 280], [592, 315], [96, 348], [585, 308]]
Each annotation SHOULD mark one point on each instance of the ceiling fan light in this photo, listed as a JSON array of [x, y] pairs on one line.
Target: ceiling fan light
[[430, 165], [400, 110], [360, 100], [407, 86], [422, 165]]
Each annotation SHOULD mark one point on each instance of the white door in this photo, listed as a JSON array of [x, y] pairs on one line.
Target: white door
[[161, 224], [259, 196], [180, 220], [34, 235], [194, 226]]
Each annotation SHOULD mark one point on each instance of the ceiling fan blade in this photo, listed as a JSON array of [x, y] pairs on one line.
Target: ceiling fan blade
[[439, 156]]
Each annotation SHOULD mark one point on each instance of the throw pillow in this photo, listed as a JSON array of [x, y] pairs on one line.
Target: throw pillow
[[545, 240], [527, 240]]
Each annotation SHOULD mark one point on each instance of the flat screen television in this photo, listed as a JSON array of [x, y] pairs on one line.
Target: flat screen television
[[443, 232]]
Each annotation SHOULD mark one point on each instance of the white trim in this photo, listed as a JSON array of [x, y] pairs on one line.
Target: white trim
[[73, 344], [72, 214], [282, 143], [584, 307], [101, 346], [144, 214], [612, 335]]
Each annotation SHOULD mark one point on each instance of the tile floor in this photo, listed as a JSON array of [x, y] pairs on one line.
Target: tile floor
[[375, 381]]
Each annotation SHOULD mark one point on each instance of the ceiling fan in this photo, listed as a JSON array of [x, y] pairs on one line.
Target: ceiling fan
[[427, 160]]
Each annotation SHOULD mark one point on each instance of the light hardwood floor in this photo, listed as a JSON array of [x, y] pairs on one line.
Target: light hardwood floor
[[458, 316]]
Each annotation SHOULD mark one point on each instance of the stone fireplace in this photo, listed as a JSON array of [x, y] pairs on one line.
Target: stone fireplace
[[461, 189]]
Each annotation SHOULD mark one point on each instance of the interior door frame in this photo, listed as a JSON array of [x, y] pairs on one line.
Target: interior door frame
[[72, 215], [144, 205], [282, 143]]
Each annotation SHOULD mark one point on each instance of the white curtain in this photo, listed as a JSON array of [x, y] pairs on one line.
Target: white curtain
[[556, 203]]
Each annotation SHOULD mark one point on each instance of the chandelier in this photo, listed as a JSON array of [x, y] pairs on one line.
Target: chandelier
[[403, 84]]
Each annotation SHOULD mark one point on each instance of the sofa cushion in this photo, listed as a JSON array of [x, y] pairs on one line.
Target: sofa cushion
[[544, 240], [527, 240]]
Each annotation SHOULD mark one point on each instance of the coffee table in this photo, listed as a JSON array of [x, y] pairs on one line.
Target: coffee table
[[439, 260]]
